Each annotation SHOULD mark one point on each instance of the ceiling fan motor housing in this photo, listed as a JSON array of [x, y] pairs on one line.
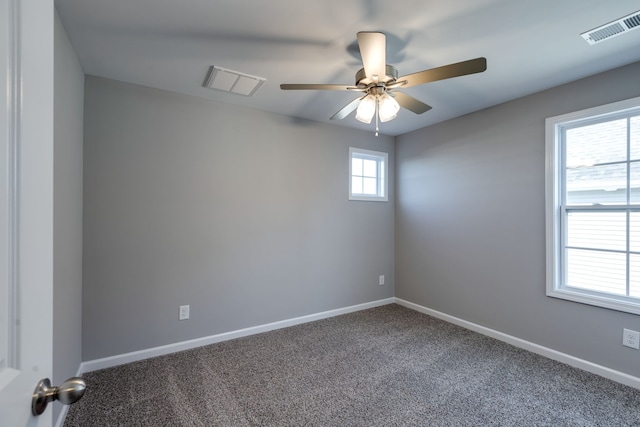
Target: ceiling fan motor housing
[[390, 77]]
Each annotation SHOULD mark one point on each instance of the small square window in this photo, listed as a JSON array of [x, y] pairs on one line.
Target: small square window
[[367, 175]]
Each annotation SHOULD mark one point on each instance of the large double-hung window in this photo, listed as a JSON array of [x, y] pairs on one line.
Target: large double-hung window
[[593, 206]]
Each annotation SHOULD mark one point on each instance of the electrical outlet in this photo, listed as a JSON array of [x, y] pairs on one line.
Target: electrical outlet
[[184, 312], [381, 280], [631, 338]]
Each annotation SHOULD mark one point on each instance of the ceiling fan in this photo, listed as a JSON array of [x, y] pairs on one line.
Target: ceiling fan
[[379, 82]]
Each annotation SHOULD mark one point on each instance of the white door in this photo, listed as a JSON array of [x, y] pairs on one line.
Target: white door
[[26, 206]]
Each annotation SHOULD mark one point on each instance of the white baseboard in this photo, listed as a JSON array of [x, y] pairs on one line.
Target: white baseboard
[[585, 365], [108, 362]]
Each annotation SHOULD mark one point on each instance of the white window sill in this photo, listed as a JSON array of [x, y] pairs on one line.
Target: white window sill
[[583, 296]]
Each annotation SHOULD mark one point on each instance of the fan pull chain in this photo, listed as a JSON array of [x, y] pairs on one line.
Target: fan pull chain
[[377, 113]]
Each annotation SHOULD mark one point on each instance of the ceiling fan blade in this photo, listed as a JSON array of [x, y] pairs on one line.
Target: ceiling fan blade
[[373, 49], [347, 109], [316, 87], [410, 103], [463, 68]]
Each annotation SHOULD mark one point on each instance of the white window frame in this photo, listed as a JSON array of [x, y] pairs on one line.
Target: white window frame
[[382, 160], [555, 211]]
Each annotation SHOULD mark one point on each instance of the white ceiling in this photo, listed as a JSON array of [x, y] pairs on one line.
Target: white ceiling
[[530, 45]]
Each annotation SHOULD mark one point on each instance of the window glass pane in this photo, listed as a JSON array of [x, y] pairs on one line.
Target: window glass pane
[[634, 231], [634, 191], [597, 271], [356, 185], [597, 184], [634, 275], [370, 186], [599, 143], [356, 166], [370, 168], [635, 138], [597, 230]]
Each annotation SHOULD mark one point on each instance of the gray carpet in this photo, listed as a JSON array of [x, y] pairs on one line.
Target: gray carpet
[[387, 366]]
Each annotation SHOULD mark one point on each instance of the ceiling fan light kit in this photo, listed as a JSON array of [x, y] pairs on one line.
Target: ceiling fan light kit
[[379, 81], [387, 107], [384, 104], [366, 109]]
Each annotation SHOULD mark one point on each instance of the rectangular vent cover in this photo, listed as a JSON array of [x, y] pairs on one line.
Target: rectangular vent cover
[[612, 29], [232, 81]]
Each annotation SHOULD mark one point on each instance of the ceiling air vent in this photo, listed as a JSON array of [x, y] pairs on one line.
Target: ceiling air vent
[[612, 29], [232, 81]]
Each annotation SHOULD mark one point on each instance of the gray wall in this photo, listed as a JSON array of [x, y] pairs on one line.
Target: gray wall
[[241, 214], [67, 209], [470, 223]]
